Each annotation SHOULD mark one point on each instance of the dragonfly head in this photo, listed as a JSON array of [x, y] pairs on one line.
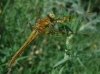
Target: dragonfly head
[[51, 16]]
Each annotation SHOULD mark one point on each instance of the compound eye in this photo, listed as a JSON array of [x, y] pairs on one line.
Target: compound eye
[[51, 15]]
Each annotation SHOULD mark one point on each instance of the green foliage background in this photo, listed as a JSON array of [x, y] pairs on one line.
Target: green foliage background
[[50, 54]]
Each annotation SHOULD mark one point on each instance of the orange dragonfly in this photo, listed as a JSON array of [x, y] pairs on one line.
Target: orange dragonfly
[[40, 25]]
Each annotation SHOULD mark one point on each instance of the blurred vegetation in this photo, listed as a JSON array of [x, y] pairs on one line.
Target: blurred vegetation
[[78, 53]]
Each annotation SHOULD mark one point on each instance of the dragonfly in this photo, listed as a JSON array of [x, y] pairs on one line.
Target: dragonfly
[[40, 25]]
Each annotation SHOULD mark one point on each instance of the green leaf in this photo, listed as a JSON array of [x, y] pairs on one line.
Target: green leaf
[[66, 57], [61, 70], [64, 12]]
